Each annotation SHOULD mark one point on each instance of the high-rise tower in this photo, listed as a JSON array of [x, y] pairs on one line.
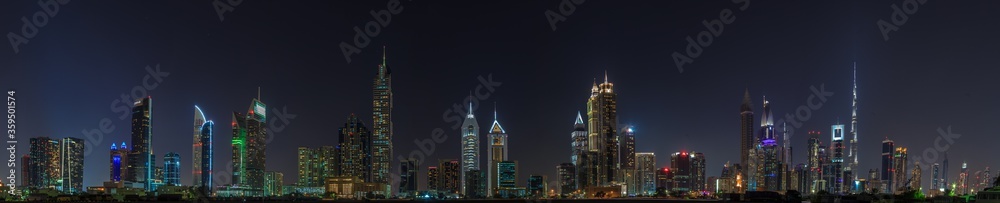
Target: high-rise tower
[[496, 153], [382, 118], [583, 156], [888, 165], [853, 156], [249, 148], [355, 145], [172, 169], [770, 153], [602, 114], [199, 121], [746, 128], [256, 146], [140, 161], [837, 147], [71, 152], [239, 143], [470, 146], [814, 162], [205, 176], [627, 158]]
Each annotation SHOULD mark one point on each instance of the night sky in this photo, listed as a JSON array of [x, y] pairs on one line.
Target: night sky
[[937, 70]]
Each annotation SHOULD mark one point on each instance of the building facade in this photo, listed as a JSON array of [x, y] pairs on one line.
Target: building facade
[[196, 147], [645, 174], [497, 153], [408, 177], [382, 127], [71, 164], [602, 116], [141, 160], [470, 147], [172, 169], [567, 178], [207, 156]]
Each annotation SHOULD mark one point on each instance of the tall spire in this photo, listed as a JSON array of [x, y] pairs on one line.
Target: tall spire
[[496, 128], [470, 106], [383, 55], [605, 76]]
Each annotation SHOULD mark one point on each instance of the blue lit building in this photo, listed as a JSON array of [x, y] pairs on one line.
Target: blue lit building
[[206, 158], [172, 169], [119, 162]]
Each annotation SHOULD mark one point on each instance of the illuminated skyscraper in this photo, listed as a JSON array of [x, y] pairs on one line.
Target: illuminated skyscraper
[[206, 156], [408, 177], [119, 165], [239, 149], [470, 146], [433, 178], [747, 139], [888, 165], [935, 177], [382, 118], [698, 177], [497, 153], [355, 145], [507, 174], [256, 147], [585, 169], [626, 156], [196, 147], [140, 161], [770, 170], [645, 173], [537, 186], [602, 114], [315, 165], [837, 147], [449, 176], [680, 167], [813, 162], [853, 156], [567, 178], [273, 183], [172, 169], [900, 179], [944, 171], [71, 164], [44, 166]]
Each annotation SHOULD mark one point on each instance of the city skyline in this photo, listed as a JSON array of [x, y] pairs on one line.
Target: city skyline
[[670, 111]]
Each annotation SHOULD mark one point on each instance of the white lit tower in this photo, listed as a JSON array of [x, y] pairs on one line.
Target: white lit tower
[[853, 156], [470, 146]]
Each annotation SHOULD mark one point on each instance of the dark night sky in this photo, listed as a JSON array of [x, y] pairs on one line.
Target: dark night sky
[[937, 70]]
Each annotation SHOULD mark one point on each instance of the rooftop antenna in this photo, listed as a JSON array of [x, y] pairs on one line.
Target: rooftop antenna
[[258, 92]]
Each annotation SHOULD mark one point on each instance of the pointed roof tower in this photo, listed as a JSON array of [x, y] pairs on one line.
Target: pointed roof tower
[[747, 102], [496, 128]]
